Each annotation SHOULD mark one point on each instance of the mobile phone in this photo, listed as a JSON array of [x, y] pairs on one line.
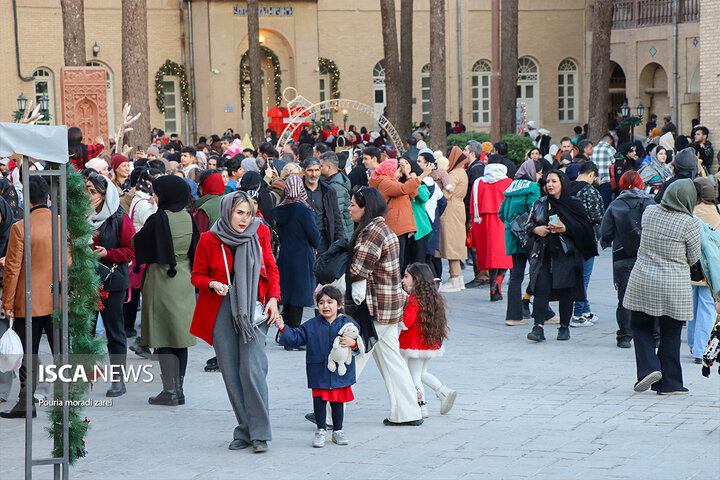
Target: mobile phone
[[553, 219]]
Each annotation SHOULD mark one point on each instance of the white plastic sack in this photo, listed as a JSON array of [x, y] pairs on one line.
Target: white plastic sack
[[11, 351], [359, 290]]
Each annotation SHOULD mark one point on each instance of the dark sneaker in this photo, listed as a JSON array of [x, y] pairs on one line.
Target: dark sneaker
[[537, 334], [526, 309], [412, 423], [238, 444], [473, 284], [682, 391], [259, 446], [624, 343], [563, 333]]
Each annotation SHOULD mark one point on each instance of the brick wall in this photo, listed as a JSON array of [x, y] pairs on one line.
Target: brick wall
[[710, 71]]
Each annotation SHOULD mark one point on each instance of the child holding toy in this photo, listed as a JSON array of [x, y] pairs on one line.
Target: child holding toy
[[426, 328], [319, 334]]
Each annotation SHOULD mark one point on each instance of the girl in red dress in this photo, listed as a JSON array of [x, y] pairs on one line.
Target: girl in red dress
[[318, 334], [425, 329]]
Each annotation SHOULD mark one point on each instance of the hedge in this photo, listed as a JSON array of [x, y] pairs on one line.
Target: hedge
[[518, 145]]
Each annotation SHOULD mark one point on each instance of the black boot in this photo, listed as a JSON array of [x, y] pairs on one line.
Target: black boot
[[526, 309], [181, 393], [170, 380], [116, 389], [537, 334]]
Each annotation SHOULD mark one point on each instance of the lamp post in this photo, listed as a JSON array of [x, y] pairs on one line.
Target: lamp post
[[44, 102], [22, 102], [345, 118], [632, 120]]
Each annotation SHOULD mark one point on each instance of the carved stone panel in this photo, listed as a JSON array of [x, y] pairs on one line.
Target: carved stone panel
[[84, 101]]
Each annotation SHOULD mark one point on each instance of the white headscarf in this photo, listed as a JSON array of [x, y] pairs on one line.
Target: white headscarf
[[110, 206]]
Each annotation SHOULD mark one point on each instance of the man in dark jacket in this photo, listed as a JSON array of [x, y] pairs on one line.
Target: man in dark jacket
[[621, 226], [583, 190], [330, 170], [324, 204], [500, 150]]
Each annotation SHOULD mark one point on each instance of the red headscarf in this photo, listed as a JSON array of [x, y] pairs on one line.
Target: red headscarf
[[631, 179], [386, 168], [213, 185]]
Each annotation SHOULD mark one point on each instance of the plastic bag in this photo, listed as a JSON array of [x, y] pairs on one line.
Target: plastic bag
[[11, 351]]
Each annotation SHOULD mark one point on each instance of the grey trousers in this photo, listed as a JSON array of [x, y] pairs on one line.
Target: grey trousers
[[7, 377], [244, 368]]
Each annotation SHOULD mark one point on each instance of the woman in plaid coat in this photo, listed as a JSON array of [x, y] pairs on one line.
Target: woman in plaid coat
[[376, 259], [669, 245]]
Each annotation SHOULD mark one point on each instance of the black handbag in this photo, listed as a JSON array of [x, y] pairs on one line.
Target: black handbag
[[518, 230], [105, 272]]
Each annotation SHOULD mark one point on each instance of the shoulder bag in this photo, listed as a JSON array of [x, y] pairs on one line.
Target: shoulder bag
[[259, 315]]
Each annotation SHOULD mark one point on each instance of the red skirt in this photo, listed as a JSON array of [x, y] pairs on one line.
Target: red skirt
[[342, 395]]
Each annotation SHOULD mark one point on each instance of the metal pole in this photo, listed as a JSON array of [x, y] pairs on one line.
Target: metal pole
[[191, 44], [182, 57], [57, 329], [676, 113], [29, 370], [65, 344], [459, 59], [495, 119]]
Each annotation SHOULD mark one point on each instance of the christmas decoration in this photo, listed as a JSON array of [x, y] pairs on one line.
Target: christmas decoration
[[245, 74], [172, 68], [329, 67], [85, 349]]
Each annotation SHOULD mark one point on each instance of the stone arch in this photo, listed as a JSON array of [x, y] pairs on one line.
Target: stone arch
[[653, 89], [618, 93], [694, 84]]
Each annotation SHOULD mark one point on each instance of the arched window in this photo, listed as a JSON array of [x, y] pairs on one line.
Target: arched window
[[527, 88], [378, 77], [425, 90], [110, 94], [567, 90], [481, 92], [43, 84]]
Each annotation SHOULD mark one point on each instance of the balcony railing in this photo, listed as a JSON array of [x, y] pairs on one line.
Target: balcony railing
[[645, 13]]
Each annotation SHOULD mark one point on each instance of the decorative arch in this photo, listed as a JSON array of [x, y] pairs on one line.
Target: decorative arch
[[653, 85], [245, 74], [330, 68], [177, 70], [302, 109]]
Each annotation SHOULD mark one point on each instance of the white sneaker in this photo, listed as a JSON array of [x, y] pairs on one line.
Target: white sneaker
[[319, 440], [424, 411], [339, 438], [580, 322], [453, 285], [591, 317]]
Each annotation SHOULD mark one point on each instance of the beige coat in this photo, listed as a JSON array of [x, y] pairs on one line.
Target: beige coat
[[452, 221]]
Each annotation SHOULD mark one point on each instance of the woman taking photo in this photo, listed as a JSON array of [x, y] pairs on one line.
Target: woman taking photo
[[452, 221], [669, 245], [564, 239], [234, 268], [166, 244], [376, 259], [520, 196], [113, 246], [299, 237]]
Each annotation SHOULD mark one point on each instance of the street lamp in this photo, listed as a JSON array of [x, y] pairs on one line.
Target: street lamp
[[632, 120], [345, 118], [96, 49], [22, 102], [44, 102]]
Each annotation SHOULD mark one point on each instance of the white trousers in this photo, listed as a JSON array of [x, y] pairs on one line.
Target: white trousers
[[420, 376]]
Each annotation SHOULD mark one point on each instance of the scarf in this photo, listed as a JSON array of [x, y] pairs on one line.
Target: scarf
[[528, 170], [494, 172], [435, 196], [572, 213], [247, 260], [386, 168], [213, 185], [680, 196], [707, 194], [110, 205], [655, 168], [456, 159], [8, 217], [294, 191]]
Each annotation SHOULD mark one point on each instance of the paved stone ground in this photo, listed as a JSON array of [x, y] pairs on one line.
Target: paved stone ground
[[557, 410]]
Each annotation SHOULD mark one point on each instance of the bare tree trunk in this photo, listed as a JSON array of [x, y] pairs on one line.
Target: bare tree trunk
[[135, 86], [256, 74], [73, 32], [600, 69], [495, 98], [404, 125], [508, 65], [438, 96], [392, 61]]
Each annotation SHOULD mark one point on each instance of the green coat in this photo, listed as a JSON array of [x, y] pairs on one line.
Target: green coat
[[341, 183], [168, 303], [210, 204], [519, 198], [422, 220]]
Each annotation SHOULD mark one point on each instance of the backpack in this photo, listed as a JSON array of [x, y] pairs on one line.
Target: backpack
[[630, 228]]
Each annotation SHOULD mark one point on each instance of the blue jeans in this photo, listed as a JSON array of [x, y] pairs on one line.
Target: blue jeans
[[699, 329], [584, 307]]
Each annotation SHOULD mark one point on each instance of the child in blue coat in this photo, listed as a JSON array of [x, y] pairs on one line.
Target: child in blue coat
[[318, 334]]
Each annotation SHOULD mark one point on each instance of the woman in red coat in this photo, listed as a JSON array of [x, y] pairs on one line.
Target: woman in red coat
[[234, 268], [488, 231]]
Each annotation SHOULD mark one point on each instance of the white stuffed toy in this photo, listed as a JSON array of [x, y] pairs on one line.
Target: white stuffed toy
[[341, 356]]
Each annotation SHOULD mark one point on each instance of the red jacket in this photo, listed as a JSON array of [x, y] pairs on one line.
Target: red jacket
[[411, 339], [209, 266]]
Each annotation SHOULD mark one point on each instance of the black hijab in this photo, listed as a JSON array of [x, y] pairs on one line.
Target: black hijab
[[8, 218], [572, 213], [154, 243]]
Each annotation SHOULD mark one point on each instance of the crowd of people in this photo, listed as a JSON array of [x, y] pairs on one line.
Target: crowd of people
[[220, 241]]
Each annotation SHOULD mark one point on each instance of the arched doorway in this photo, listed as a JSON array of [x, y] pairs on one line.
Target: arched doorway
[[378, 78], [654, 90], [528, 88], [617, 90]]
